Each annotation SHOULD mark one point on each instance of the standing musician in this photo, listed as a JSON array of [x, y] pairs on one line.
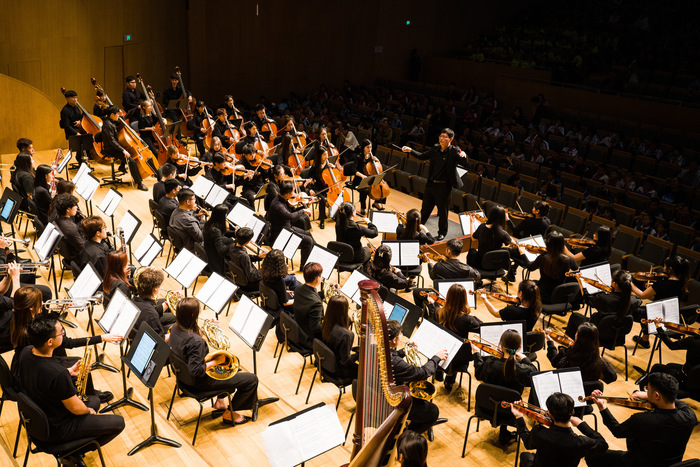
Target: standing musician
[[424, 414], [97, 247], [112, 148], [558, 445], [173, 93], [147, 121], [187, 343], [186, 225], [653, 438], [584, 354], [441, 179], [347, 230], [528, 310], [131, 97], [308, 305], [196, 125], [257, 173], [49, 385], [281, 215], [364, 157], [71, 115]]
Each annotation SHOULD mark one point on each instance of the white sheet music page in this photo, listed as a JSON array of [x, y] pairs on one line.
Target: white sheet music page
[[216, 291], [282, 239], [129, 224], [177, 265], [292, 246], [88, 186], [654, 310], [110, 202], [395, 252], [545, 384], [600, 273], [257, 225], [215, 196], [672, 311], [191, 272], [47, 240], [202, 186], [247, 320], [386, 222], [535, 240], [334, 207], [144, 247], [281, 446], [388, 308], [111, 319], [469, 223], [409, 253], [492, 333], [350, 288], [151, 254], [444, 286], [317, 431], [430, 339], [84, 169], [323, 257], [571, 383], [240, 214], [86, 284]]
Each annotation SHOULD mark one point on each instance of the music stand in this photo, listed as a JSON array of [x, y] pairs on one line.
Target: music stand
[[430, 338], [119, 318], [146, 358], [130, 225], [81, 145], [148, 250], [216, 292], [45, 247], [109, 204], [410, 320], [492, 332], [251, 323], [668, 310], [185, 268], [443, 285], [288, 242], [86, 186], [565, 380], [351, 289], [64, 163], [370, 181], [325, 257]]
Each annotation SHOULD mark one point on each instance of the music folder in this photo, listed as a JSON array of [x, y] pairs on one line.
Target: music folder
[[129, 225], [120, 315], [668, 310], [444, 285], [336, 204], [86, 284], [404, 253], [430, 338], [288, 242], [185, 268], [302, 436], [325, 257], [216, 292], [250, 323], [47, 243], [386, 222], [351, 289], [110, 202], [148, 250], [565, 380], [598, 272], [491, 333]]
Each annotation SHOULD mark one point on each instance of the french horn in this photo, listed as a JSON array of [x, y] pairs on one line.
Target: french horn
[[419, 389], [218, 341]]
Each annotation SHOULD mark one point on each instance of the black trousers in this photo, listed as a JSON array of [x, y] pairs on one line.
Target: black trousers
[[133, 165], [422, 415], [105, 427], [246, 387], [437, 195], [610, 459], [306, 245]]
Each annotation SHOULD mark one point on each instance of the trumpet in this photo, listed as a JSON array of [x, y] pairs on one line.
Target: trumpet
[[25, 268], [23, 241], [10, 167], [63, 303]]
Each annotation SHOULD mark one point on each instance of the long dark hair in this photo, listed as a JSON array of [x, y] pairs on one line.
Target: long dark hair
[[319, 150], [336, 313], [23, 163], [531, 296], [187, 313], [217, 218], [552, 265], [455, 305], [413, 221], [510, 343], [116, 263], [27, 303], [285, 149], [497, 218], [585, 352], [623, 279], [40, 177], [604, 240], [347, 209], [680, 267]]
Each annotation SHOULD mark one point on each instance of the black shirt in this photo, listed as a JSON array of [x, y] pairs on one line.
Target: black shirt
[[548, 282], [149, 314], [192, 348], [42, 199], [131, 99], [72, 238], [166, 206], [490, 370], [442, 164], [463, 325], [452, 268], [561, 447], [216, 245], [280, 215], [609, 304], [561, 358], [594, 255], [341, 344], [70, 114], [424, 238], [404, 372], [97, 254], [490, 238], [531, 226], [518, 313], [110, 138], [240, 257], [353, 234], [690, 344], [667, 288]]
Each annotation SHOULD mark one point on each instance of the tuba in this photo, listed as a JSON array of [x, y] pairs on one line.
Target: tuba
[[419, 389], [84, 371], [216, 338]]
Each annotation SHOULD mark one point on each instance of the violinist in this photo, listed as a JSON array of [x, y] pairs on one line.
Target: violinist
[[217, 239], [131, 97], [491, 235], [558, 445], [553, 266], [653, 438], [167, 171], [597, 253], [173, 93], [179, 161], [100, 107], [281, 215], [147, 121], [219, 174], [534, 224], [451, 267], [381, 270], [215, 148], [348, 231], [528, 310], [364, 157], [584, 353], [112, 148], [196, 126], [414, 229], [257, 173], [71, 115], [677, 270]]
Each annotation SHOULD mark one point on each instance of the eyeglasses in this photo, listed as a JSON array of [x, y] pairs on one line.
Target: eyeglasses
[[62, 333]]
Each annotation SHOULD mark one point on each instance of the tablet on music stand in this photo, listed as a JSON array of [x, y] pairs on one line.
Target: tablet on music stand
[[147, 355], [129, 225], [386, 222], [86, 284], [492, 332], [47, 243], [216, 292], [288, 242], [185, 268], [110, 202], [393, 303], [250, 323], [148, 250], [10, 203], [444, 285], [120, 315], [325, 257]]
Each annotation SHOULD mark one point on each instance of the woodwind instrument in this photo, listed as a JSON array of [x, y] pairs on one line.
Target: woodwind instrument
[[536, 413], [557, 336], [628, 402], [673, 326]]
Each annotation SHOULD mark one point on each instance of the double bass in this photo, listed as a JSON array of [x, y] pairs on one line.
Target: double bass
[[382, 190], [187, 112], [92, 125]]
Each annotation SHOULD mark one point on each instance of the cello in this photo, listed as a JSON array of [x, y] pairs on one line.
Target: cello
[[270, 126], [296, 161], [92, 125], [382, 190], [209, 126], [187, 113], [333, 177]]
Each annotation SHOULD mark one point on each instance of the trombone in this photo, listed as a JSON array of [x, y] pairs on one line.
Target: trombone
[[72, 303], [23, 241], [25, 268]]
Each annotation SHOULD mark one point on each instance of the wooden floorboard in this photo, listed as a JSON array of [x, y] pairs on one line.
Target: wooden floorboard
[[218, 444]]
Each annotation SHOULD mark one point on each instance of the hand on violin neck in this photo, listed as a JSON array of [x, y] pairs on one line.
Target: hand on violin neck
[[517, 413], [601, 403]]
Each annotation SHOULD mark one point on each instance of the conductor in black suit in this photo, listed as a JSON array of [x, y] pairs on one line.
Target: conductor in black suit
[[308, 306], [441, 179]]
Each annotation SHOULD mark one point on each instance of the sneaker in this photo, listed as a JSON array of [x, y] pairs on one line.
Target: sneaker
[[641, 342]]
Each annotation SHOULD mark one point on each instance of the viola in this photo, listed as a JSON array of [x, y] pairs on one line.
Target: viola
[[673, 326], [630, 403], [511, 299], [557, 336], [594, 283], [649, 276], [187, 112], [434, 295], [382, 190], [532, 411], [580, 242], [92, 125]]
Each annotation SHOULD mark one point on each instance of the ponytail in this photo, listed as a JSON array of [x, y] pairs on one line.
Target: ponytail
[[623, 279], [510, 343]]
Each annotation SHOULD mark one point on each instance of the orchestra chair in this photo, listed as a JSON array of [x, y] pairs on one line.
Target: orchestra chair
[[153, 207], [535, 342], [326, 368], [487, 406], [63, 262], [239, 278], [38, 225], [162, 229], [36, 423], [613, 334], [563, 297], [291, 332], [690, 388], [346, 255], [270, 303], [9, 394], [175, 241], [464, 370], [588, 388], [185, 382], [687, 463], [494, 264]]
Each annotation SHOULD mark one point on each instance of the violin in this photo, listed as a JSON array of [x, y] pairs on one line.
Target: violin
[[519, 214], [580, 242], [92, 125], [594, 283], [511, 299], [302, 199], [382, 190], [557, 336], [534, 249], [673, 326], [400, 216], [432, 294], [630, 402], [487, 347], [649, 276], [532, 411], [478, 217]]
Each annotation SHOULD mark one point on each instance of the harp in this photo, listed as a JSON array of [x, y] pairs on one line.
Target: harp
[[382, 407]]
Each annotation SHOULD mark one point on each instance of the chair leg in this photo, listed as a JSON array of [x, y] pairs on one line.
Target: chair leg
[[466, 435], [274, 355], [26, 455], [279, 357], [300, 376], [517, 450], [636, 344], [19, 431], [172, 399], [99, 452], [199, 418], [469, 400], [626, 369], [340, 394], [313, 380]]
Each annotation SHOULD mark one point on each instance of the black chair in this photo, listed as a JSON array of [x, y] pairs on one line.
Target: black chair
[[270, 302], [563, 298], [153, 207], [8, 394], [346, 256], [327, 368], [162, 227], [353, 410], [291, 331], [687, 463], [535, 342], [239, 278], [36, 423], [487, 406], [186, 383], [464, 370], [690, 388], [175, 240], [494, 264], [613, 334]]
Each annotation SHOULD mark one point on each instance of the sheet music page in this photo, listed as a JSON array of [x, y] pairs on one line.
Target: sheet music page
[[240, 316], [395, 252], [202, 186], [144, 247], [129, 224], [409, 253], [253, 325], [209, 288], [317, 431], [545, 384], [47, 240], [350, 288], [292, 246], [444, 286], [323, 257], [191, 272], [179, 263], [109, 317], [672, 311], [469, 223], [600, 273], [240, 214], [257, 225], [222, 296], [388, 308], [281, 445], [430, 339], [338, 201], [110, 202], [126, 318], [535, 240], [282, 239], [491, 332], [386, 222], [86, 284], [88, 186], [214, 195], [571, 383], [655, 310], [81, 172]]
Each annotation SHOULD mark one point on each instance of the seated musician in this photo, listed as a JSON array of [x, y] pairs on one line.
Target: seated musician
[[275, 275], [174, 92], [42, 193], [208, 157], [677, 270], [598, 253], [112, 148], [317, 185], [256, 175], [278, 173], [511, 370], [347, 230], [238, 253], [414, 229], [537, 224], [451, 267], [8, 286], [71, 116], [281, 215], [186, 225], [528, 310], [653, 438], [584, 353], [97, 247], [24, 279], [131, 97], [381, 270], [308, 306], [49, 385], [220, 129], [26, 146], [553, 266], [101, 105], [260, 118], [423, 414], [456, 316], [22, 178], [168, 203], [64, 187], [221, 174], [230, 107], [183, 169], [67, 207], [217, 239], [558, 445], [146, 122], [155, 313], [252, 136], [491, 235], [196, 126], [116, 276], [336, 334], [187, 343], [412, 449]]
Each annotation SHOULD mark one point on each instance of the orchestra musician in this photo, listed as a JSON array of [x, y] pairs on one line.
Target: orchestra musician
[[491, 235], [260, 118], [8, 286], [168, 203], [196, 125], [173, 93], [308, 305], [348, 231], [441, 179], [316, 185], [71, 115], [22, 178], [74, 243], [224, 180], [101, 105], [528, 310], [553, 265], [412, 449], [168, 171], [364, 156], [220, 129], [183, 168], [275, 275], [451, 267], [281, 215], [558, 445], [26, 146], [256, 173], [598, 253], [147, 119], [112, 148], [584, 354], [208, 157], [534, 224], [96, 247], [131, 97], [336, 334], [229, 107], [155, 313], [414, 229], [185, 224], [238, 254], [423, 414], [64, 187], [381, 270], [116, 276], [42, 194], [653, 438], [217, 241]]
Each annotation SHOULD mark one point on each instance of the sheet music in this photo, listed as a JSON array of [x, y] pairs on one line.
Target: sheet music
[[247, 321], [216, 291], [409, 253], [110, 202], [202, 186], [430, 339], [257, 225], [240, 214], [129, 224], [148, 250], [350, 288], [535, 240], [282, 239], [395, 253], [64, 162], [571, 383], [325, 258], [668, 310], [84, 169], [603, 273], [491, 332], [567, 382], [292, 246], [216, 196], [87, 187], [386, 222], [177, 265], [469, 223], [47, 241], [303, 437], [185, 268], [444, 286], [86, 284], [120, 315], [338, 201], [388, 308]]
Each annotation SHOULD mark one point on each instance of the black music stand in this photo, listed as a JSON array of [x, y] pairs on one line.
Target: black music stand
[[10, 203], [370, 181], [146, 358], [45, 247], [109, 204], [80, 145], [64, 163], [238, 324]]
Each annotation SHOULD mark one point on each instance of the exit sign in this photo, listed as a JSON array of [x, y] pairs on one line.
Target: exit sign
[[128, 37]]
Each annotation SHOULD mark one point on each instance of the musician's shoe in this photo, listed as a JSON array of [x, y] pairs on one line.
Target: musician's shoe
[[642, 343], [449, 382], [121, 170], [74, 460], [440, 237], [440, 374], [506, 437], [228, 419], [105, 396], [322, 225], [362, 213], [141, 187], [510, 277], [216, 413]]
